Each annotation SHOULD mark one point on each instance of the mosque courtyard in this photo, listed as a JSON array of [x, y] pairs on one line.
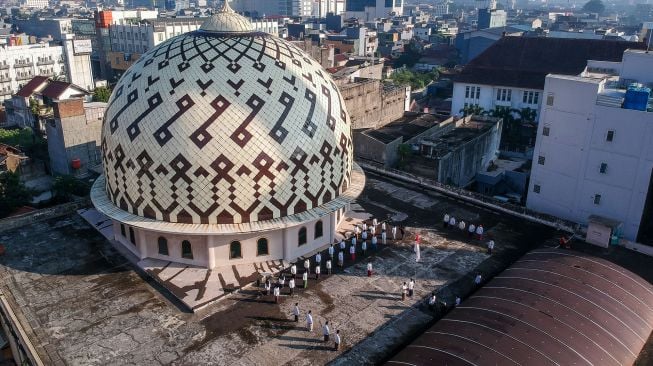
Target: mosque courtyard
[[82, 302]]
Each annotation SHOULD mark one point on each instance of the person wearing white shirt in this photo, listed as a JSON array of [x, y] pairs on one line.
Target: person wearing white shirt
[[295, 312], [331, 251], [341, 258], [471, 230], [411, 287], [317, 272], [326, 331], [293, 270], [384, 237], [364, 247], [404, 288], [305, 279], [291, 286], [277, 293], [328, 266], [364, 226], [394, 232], [343, 244], [364, 235], [461, 226], [383, 226], [268, 285], [374, 222], [490, 246], [432, 300], [445, 220], [282, 281], [352, 251], [477, 279], [309, 321], [479, 232], [373, 230], [457, 300], [337, 343], [369, 269], [318, 258], [357, 230], [374, 241], [353, 241], [452, 222], [307, 265]]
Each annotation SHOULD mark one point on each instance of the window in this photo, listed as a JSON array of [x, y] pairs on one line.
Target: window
[[122, 230], [549, 99], [186, 250], [531, 97], [536, 188], [235, 251], [473, 92], [610, 136], [545, 131], [132, 237], [163, 246], [541, 159], [262, 247], [597, 199], [301, 236], [318, 229], [604, 168], [504, 95]]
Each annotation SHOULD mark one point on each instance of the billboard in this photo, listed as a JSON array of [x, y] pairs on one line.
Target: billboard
[[82, 46]]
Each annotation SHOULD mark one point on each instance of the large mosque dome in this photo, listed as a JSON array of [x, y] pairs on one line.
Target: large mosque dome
[[225, 125]]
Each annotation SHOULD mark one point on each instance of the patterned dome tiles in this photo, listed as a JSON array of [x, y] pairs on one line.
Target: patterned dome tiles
[[251, 129]]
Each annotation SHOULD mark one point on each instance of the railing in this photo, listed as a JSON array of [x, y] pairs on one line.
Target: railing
[[4, 79], [45, 62], [473, 197], [6, 92], [4, 66], [24, 77], [25, 64]]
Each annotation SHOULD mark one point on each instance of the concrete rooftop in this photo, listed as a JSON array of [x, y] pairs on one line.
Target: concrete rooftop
[[85, 304]]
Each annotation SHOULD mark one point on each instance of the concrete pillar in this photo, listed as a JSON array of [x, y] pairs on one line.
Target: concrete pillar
[[333, 225], [210, 252], [287, 252], [142, 243]]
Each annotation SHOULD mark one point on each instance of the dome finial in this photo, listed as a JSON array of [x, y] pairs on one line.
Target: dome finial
[[226, 8], [226, 20]]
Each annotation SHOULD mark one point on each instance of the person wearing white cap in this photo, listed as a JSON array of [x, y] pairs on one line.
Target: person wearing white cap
[[490, 246], [369, 269], [471, 230], [452, 222], [445, 220]]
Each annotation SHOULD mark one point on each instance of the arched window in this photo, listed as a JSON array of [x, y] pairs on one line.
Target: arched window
[[122, 230], [163, 246], [318, 229], [262, 247], [132, 237], [301, 236], [235, 250], [186, 250]]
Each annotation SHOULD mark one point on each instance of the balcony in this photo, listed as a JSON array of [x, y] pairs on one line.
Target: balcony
[[5, 79], [23, 64], [4, 66], [45, 62], [5, 92], [24, 77]]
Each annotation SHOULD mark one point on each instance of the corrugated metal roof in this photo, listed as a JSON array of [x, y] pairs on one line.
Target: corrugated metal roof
[[552, 307]]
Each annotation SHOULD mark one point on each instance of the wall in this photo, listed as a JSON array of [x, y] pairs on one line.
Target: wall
[[488, 100], [369, 148], [369, 106], [11, 223]]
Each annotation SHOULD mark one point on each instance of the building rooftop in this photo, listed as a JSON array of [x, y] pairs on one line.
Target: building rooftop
[[458, 136], [524, 62], [407, 127]]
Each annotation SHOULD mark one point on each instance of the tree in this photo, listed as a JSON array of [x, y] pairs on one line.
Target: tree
[[404, 152], [101, 94], [527, 115], [13, 193], [65, 186], [473, 109], [594, 6], [416, 80], [409, 57]]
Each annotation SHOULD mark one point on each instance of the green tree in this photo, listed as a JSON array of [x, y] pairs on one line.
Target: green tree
[[527, 115], [404, 152], [65, 186], [18, 137], [416, 80], [473, 109], [594, 6], [101, 94], [409, 57], [13, 193]]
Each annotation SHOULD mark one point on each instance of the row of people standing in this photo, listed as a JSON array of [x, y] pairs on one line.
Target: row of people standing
[[326, 330], [449, 221]]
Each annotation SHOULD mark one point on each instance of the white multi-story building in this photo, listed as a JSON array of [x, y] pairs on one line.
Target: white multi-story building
[[594, 154], [368, 10], [260, 8], [36, 4], [19, 64]]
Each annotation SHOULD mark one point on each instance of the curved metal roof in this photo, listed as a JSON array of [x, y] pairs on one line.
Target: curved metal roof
[[552, 307]]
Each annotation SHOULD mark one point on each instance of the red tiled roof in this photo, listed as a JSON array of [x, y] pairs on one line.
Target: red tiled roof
[[29, 88], [55, 89]]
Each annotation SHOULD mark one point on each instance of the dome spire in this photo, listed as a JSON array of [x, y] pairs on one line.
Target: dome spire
[[226, 20]]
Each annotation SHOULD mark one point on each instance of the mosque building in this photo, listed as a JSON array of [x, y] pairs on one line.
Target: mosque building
[[226, 146]]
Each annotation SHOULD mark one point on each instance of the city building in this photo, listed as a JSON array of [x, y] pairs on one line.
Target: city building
[[34, 4], [593, 155], [472, 43], [366, 41], [491, 18], [74, 136], [263, 8], [19, 64], [372, 103], [511, 72], [251, 161], [368, 10]]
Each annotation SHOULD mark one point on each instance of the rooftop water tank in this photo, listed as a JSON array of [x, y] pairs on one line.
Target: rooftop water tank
[[637, 97]]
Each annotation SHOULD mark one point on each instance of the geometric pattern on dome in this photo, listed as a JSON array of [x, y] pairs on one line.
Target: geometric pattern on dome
[[254, 130], [227, 20]]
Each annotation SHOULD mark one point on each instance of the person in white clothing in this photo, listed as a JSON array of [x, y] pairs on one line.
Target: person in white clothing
[[337, 343], [352, 251], [373, 230], [374, 222], [357, 230], [353, 241], [445, 220], [328, 266], [268, 286], [307, 265], [404, 288], [418, 252], [295, 312], [383, 225], [490, 246], [457, 300], [452, 222], [369, 269], [374, 242], [318, 258], [305, 279], [277, 293], [364, 235], [293, 270], [471, 230], [394, 232], [461, 226], [364, 226], [479, 232], [477, 279], [364, 247], [309, 321], [291, 286], [411, 287], [331, 251], [325, 331], [384, 237], [317, 272], [343, 244]]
